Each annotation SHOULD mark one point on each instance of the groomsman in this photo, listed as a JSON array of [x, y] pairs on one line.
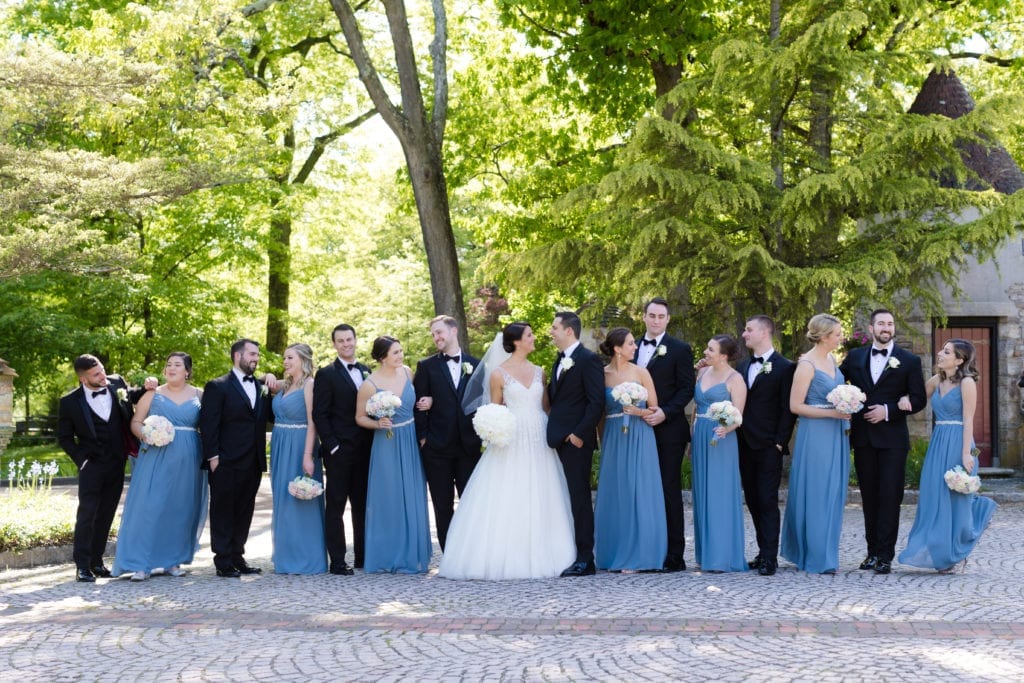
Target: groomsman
[[449, 446], [93, 429], [344, 447], [233, 426], [670, 362], [576, 394], [764, 436], [879, 434]]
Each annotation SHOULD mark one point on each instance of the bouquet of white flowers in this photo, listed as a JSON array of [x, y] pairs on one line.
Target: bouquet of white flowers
[[726, 414], [628, 394], [495, 424], [959, 481], [157, 431], [305, 488], [383, 404], [847, 399]]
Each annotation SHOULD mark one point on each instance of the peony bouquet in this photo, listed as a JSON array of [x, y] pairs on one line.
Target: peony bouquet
[[305, 488], [726, 414], [628, 394], [157, 431], [383, 404], [495, 424], [959, 481], [847, 399]]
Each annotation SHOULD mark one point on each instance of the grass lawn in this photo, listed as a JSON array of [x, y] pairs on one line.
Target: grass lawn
[[34, 518], [42, 454]]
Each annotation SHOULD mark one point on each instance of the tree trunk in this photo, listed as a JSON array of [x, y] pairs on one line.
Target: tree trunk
[[279, 253]]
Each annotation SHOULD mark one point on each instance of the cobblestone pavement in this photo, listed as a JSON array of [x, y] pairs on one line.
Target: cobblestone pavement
[[910, 625]]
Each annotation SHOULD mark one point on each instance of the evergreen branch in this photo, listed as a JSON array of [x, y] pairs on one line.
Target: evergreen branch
[[990, 59]]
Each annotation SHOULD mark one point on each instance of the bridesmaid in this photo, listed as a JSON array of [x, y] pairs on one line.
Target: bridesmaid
[[820, 473], [717, 495], [165, 509], [297, 526], [397, 526], [630, 529], [948, 525]]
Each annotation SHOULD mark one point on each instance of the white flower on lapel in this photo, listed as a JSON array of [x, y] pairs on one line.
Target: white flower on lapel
[[263, 390], [566, 364], [661, 350], [766, 368], [365, 374], [894, 362], [467, 369], [122, 394]]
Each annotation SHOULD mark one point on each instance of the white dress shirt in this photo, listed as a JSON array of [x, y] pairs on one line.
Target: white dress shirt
[[755, 369], [647, 351], [249, 387], [101, 404], [569, 350]]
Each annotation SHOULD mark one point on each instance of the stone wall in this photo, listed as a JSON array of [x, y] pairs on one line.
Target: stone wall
[[7, 376]]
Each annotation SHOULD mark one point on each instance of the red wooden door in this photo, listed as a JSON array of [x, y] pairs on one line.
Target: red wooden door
[[981, 337]]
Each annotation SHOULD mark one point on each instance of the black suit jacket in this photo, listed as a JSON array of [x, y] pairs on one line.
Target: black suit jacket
[[446, 427], [334, 412], [766, 417], [230, 427], [904, 380], [674, 380], [76, 432], [577, 399]]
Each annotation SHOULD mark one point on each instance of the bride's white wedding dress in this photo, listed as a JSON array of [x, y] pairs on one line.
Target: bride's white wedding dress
[[514, 520]]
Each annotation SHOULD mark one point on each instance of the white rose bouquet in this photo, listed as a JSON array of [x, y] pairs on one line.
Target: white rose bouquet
[[628, 394], [726, 414], [847, 399], [959, 481], [305, 488], [383, 404], [157, 431], [494, 424]]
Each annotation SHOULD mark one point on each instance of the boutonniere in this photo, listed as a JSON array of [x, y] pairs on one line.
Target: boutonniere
[[467, 369], [766, 368], [661, 350], [263, 390], [365, 374], [122, 394], [894, 362], [566, 364]]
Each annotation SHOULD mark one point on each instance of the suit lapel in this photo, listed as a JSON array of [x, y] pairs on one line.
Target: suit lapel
[[86, 411], [237, 384], [343, 372]]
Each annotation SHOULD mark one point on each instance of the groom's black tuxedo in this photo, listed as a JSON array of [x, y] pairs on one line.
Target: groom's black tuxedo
[[674, 379], [577, 403], [236, 431], [451, 447], [99, 449], [880, 450], [767, 424], [345, 449]]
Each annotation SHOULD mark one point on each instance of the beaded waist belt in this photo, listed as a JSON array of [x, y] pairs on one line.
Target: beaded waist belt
[[949, 422], [185, 429], [616, 415], [402, 424], [284, 426]]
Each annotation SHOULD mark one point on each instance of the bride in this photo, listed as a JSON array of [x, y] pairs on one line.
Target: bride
[[514, 520]]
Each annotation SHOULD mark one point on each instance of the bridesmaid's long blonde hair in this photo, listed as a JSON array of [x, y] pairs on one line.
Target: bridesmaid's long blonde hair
[[305, 354]]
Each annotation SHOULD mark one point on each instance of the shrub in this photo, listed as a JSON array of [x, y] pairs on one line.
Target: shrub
[[34, 518]]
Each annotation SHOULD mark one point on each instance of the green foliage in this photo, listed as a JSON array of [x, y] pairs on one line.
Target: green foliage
[[915, 462], [32, 519]]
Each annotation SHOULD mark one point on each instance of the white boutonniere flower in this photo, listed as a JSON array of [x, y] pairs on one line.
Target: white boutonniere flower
[[365, 374], [122, 394], [661, 350], [263, 390], [467, 369], [566, 364], [766, 368], [894, 362]]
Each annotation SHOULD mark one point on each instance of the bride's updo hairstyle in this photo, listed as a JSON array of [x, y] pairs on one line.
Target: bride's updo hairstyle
[[381, 346], [820, 326], [727, 345], [512, 333], [615, 339]]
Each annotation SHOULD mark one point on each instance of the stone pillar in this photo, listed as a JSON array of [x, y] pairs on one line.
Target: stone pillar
[[7, 376]]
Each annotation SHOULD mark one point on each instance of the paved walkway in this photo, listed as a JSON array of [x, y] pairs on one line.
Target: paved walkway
[[910, 625]]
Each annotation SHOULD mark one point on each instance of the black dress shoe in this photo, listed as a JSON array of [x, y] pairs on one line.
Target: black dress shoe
[[100, 571], [883, 567], [673, 564], [755, 563], [767, 567], [869, 562], [341, 569], [229, 573], [580, 569], [85, 576], [246, 569]]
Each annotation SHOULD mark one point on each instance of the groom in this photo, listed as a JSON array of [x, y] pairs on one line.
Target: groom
[[576, 394], [879, 434]]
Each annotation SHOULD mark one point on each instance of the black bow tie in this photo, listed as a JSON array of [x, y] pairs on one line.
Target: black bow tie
[[561, 355], [351, 366], [248, 378], [879, 352], [451, 359], [97, 393], [644, 341], [757, 359]]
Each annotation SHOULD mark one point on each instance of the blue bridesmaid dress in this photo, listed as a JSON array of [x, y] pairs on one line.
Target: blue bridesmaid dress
[[165, 509], [717, 495], [397, 526], [947, 525], [629, 517], [297, 526], [818, 482]]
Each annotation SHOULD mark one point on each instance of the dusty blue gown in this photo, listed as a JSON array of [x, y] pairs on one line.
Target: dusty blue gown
[[717, 494], [947, 525], [297, 526]]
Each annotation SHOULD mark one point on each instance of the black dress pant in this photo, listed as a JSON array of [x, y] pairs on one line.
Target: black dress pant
[[99, 491], [881, 473], [670, 461], [232, 501], [446, 473], [761, 473], [577, 464], [347, 478]]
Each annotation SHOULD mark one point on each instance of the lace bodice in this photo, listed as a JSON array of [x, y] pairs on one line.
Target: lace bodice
[[523, 400]]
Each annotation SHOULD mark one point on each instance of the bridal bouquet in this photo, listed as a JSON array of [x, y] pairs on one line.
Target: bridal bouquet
[[157, 431], [847, 399], [727, 415], [959, 481], [628, 394], [305, 488], [495, 424], [383, 404]]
